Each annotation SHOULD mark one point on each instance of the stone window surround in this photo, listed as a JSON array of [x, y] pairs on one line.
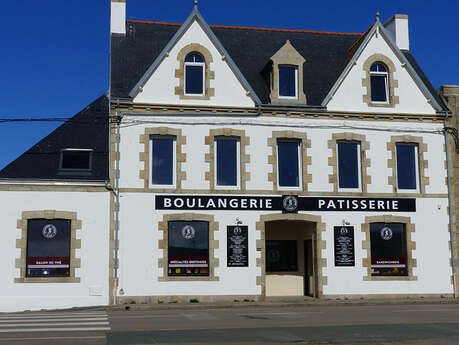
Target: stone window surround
[[208, 73], [144, 157], [422, 162], [393, 84], [21, 244], [410, 246], [244, 158], [287, 55], [306, 160], [164, 245], [365, 162], [319, 244]]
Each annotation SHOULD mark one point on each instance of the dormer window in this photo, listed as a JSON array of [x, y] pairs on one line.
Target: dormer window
[[379, 82], [285, 70], [288, 81], [194, 74], [76, 159]]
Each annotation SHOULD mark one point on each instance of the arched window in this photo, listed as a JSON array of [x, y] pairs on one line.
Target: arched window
[[194, 74], [379, 83]]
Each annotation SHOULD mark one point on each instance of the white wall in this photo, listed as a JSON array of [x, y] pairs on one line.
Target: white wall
[[160, 88], [348, 97], [93, 211], [260, 129]]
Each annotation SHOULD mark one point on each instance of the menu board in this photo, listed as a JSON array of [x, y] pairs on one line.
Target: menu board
[[237, 246], [344, 246]]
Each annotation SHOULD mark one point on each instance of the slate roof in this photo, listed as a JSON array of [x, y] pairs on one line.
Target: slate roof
[[424, 79], [250, 48], [86, 130]]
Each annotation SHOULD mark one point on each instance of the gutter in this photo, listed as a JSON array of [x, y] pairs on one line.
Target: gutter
[[72, 183], [450, 206]]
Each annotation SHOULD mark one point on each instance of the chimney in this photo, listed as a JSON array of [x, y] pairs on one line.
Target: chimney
[[118, 17], [397, 27]]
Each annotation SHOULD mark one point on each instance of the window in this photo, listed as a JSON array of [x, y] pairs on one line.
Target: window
[[407, 166], [188, 248], [281, 256], [288, 81], [163, 170], [76, 159], [227, 161], [349, 176], [194, 74], [289, 163], [388, 249], [379, 82], [48, 248]]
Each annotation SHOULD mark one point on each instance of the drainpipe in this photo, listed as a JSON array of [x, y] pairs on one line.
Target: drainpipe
[[117, 202], [450, 206]]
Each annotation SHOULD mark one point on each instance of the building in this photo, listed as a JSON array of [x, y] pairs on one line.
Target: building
[[451, 95], [229, 163]]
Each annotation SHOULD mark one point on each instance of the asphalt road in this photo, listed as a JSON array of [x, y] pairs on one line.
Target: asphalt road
[[381, 324]]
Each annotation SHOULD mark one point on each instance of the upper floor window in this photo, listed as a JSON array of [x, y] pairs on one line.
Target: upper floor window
[[76, 159], [227, 161], [194, 74], [379, 82], [407, 167], [349, 176], [288, 81], [163, 167], [289, 163]]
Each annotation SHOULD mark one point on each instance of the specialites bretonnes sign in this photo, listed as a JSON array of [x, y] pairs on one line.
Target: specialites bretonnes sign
[[288, 203]]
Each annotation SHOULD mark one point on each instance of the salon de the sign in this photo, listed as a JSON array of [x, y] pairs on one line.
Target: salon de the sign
[[286, 203]]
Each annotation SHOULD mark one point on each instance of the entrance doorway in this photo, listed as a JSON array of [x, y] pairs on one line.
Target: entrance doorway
[[289, 258]]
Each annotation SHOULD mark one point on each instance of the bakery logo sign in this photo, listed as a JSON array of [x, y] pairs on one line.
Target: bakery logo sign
[[286, 203]]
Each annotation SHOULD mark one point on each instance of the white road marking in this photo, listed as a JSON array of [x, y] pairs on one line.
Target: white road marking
[[22, 330], [55, 324], [54, 338], [49, 320]]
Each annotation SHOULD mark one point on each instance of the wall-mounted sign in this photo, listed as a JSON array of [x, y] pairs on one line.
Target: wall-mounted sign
[[344, 246], [290, 203], [237, 246]]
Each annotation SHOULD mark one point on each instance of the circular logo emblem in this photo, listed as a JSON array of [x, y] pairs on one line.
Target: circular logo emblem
[[49, 231], [386, 233], [188, 232], [237, 231], [290, 203], [344, 231]]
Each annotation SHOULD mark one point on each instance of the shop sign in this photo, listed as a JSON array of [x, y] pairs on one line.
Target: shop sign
[[344, 246], [287, 203], [48, 262], [237, 246]]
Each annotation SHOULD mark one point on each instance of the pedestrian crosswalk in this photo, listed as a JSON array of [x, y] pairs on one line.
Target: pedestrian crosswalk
[[86, 321]]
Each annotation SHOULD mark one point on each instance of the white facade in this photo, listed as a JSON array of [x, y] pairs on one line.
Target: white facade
[[137, 266], [91, 209]]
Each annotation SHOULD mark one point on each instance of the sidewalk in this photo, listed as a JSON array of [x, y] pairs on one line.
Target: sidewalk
[[279, 301]]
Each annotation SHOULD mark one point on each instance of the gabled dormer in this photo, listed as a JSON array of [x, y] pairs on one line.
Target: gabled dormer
[[286, 76]]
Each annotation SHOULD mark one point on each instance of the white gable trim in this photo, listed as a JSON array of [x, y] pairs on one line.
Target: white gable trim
[[195, 16], [379, 29]]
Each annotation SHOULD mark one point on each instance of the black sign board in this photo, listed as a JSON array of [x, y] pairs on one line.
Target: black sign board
[[237, 246], [289, 203], [344, 246]]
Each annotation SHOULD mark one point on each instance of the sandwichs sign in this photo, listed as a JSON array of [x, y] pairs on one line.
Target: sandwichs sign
[[286, 203]]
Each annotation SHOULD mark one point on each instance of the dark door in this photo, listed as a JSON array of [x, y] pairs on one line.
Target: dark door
[[307, 267]]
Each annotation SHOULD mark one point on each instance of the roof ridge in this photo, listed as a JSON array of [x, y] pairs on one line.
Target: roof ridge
[[255, 28]]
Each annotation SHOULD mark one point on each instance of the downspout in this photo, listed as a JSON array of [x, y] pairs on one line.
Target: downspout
[[117, 201], [450, 206]]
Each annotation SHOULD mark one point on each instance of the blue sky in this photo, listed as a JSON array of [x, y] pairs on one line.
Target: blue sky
[[55, 53]]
